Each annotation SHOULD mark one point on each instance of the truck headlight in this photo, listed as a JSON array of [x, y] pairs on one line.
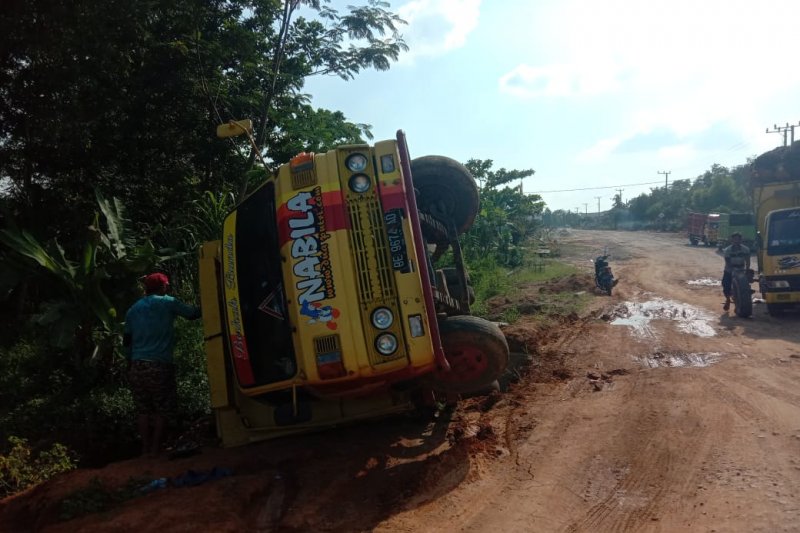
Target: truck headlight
[[359, 183], [382, 318], [386, 344], [778, 284], [356, 162]]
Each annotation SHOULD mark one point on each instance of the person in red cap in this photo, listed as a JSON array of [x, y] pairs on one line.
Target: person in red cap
[[149, 342]]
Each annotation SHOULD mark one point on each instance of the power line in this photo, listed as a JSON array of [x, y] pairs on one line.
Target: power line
[[784, 129], [666, 174], [595, 188]]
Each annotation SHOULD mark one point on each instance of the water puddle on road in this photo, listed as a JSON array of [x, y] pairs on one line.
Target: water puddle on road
[[678, 359], [705, 282], [638, 316]]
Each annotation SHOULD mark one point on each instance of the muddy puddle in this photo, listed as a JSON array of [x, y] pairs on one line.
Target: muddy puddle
[[678, 359], [639, 315], [704, 282]]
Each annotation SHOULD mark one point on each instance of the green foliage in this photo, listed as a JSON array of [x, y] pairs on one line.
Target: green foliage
[[82, 312], [20, 468], [124, 98], [194, 395], [96, 497], [90, 410], [507, 217]]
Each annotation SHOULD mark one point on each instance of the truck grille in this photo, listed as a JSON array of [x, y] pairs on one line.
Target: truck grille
[[374, 274], [327, 344], [370, 251]]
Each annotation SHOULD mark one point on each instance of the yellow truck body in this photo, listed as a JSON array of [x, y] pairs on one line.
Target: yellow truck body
[[321, 305], [775, 187]]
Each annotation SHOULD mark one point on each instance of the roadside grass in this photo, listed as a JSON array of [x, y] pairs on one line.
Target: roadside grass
[[491, 280]]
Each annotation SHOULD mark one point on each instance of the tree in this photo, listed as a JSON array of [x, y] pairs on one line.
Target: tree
[[124, 97], [507, 216]]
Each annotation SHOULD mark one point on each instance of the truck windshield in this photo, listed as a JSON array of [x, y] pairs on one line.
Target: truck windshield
[[783, 233], [261, 294]]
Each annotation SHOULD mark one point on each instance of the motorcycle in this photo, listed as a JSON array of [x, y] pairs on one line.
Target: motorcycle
[[741, 292], [603, 277]]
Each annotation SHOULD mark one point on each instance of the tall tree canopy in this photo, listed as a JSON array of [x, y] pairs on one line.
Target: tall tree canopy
[[124, 96]]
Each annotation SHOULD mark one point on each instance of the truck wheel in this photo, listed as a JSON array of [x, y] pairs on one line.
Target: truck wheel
[[446, 190], [744, 297], [693, 242], [477, 352]]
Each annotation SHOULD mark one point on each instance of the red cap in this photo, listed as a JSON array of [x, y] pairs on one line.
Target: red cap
[[155, 282]]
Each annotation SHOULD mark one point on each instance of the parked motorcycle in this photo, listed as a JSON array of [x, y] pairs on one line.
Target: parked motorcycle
[[603, 277]]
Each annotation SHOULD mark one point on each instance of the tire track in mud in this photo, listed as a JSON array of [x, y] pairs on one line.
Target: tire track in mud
[[658, 469]]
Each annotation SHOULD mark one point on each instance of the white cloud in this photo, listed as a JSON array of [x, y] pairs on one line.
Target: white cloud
[[436, 27], [599, 151], [678, 64], [557, 80]]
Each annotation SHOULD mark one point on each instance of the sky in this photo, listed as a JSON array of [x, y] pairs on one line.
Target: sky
[[593, 95]]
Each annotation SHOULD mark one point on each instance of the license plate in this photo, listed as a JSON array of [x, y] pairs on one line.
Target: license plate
[[397, 242]]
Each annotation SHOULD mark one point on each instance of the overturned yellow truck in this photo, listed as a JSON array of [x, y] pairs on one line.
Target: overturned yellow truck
[[775, 184], [323, 302]]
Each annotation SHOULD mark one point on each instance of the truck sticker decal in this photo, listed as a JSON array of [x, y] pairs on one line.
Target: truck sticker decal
[[230, 270], [789, 262], [307, 233], [320, 313], [273, 303], [241, 358]]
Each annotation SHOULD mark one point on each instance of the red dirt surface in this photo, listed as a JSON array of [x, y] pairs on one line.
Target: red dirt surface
[[587, 436]]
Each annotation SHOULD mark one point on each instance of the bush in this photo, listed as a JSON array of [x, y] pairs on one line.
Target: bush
[[20, 469], [47, 395]]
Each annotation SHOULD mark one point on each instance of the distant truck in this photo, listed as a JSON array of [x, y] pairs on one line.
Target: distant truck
[[695, 227], [711, 231], [775, 184], [730, 223]]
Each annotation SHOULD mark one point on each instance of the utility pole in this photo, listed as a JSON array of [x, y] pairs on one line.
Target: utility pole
[[585, 209], [784, 129], [598, 203], [666, 177], [620, 194]]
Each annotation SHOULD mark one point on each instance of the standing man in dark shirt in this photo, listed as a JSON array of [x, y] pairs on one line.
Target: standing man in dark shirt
[[149, 343], [737, 255]]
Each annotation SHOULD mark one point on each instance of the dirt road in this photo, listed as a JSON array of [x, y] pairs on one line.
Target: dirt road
[[654, 412], [696, 427]]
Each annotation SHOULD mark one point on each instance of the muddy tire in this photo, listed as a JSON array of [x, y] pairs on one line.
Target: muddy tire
[[477, 352], [743, 295], [446, 190]]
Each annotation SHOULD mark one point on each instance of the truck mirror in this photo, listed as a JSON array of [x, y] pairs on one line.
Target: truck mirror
[[234, 128]]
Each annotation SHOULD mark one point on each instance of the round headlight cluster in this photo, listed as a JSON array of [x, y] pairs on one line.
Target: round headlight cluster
[[386, 344], [356, 162], [359, 183], [382, 318]]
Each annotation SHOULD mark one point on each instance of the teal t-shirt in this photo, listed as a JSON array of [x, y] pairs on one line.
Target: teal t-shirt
[[150, 325]]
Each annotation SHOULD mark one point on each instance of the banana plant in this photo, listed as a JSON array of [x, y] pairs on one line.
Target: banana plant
[[91, 288]]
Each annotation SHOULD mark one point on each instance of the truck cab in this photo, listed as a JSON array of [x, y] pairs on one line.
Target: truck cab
[[323, 302], [775, 184]]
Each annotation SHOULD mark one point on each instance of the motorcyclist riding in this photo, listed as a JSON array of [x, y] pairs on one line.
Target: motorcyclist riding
[[603, 277]]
